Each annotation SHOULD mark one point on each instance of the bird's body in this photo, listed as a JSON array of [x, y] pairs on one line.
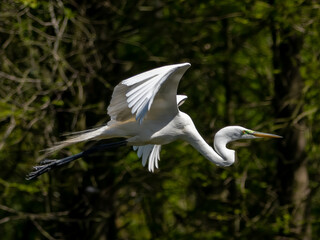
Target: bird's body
[[150, 131], [144, 110]]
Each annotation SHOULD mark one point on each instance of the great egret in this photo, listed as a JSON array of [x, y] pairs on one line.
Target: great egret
[[144, 110]]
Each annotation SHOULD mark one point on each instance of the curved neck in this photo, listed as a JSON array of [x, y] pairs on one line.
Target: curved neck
[[220, 145], [221, 157]]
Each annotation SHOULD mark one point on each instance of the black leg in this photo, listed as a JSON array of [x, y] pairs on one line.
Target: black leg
[[48, 164]]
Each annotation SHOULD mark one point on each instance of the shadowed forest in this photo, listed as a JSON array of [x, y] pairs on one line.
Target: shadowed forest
[[255, 63]]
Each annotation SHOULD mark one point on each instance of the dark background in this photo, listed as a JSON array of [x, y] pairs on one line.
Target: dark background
[[254, 63]]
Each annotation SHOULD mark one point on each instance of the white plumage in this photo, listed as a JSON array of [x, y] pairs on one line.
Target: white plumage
[[144, 110]]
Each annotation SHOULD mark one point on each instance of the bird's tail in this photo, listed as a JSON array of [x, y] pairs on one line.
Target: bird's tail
[[76, 137]]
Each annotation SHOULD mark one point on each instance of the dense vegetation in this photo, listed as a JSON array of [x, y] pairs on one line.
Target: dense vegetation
[[254, 63]]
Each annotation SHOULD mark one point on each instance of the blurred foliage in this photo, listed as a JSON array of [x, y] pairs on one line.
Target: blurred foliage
[[59, 62]]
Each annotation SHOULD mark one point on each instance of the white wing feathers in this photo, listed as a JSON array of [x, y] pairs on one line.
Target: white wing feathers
[[181, 99], [151, 153], [135, 95]]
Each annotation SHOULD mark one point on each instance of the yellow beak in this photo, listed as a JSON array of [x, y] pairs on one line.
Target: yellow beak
[[265, 135]]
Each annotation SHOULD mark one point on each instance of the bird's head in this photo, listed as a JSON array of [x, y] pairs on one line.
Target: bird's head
[[232, 133]]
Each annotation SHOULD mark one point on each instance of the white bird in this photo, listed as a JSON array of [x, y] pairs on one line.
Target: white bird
[[144, 110]]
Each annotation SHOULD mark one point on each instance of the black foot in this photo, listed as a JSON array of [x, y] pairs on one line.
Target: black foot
[[44, 166], [47, 161], [47, 164]]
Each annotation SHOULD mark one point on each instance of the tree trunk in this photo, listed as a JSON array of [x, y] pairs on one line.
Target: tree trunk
[[292, 174]]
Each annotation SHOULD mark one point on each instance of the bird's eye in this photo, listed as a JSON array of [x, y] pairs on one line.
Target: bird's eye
[[247, 132]]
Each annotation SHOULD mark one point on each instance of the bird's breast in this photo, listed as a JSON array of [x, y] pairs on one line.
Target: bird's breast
[[168, 133]]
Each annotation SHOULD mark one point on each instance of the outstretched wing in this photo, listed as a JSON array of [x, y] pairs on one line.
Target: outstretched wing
[[151, 153], [153, 92]]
